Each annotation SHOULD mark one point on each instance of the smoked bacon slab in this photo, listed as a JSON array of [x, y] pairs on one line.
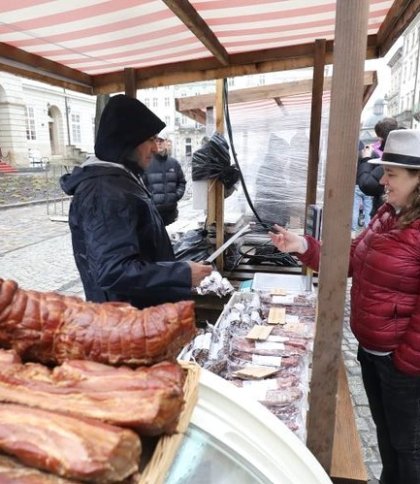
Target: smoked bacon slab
[[81, 449], [146, 399], [13, 472], [50, 328]]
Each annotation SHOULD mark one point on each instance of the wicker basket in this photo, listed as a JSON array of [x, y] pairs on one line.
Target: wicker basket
[[167, 446]]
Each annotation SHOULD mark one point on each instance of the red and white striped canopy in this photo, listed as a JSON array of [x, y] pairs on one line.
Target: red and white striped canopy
[[103, 36], [103, 46]]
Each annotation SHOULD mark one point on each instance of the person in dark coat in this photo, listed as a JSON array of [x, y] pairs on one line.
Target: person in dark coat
[[165, 180], [385, 305], [368, 175], [120, 244]]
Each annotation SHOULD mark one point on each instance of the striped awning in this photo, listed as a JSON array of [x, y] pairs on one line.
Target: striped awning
[[84, 39]]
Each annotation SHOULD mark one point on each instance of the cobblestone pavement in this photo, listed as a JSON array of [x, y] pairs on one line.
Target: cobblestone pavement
[[36, 252]]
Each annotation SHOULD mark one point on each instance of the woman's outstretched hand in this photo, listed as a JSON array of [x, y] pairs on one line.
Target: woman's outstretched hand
[[287, 241]]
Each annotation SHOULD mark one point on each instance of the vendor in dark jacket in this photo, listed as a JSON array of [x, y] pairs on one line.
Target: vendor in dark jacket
[[385, 305], [120, 244], [165, 180]]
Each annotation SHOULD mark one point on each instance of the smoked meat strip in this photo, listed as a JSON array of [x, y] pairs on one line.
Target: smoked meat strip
[[13, 472], [50, 328], [83, 449], [146, 399]]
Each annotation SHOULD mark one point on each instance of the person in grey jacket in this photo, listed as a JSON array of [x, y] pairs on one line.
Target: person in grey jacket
[[120, 244], [165, 180]]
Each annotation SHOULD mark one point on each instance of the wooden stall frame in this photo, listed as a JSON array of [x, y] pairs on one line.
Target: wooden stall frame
[[350, 47]]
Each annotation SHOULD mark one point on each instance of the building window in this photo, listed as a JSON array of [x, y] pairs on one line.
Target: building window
[[167, 120], [147, 102], [30, 123], [75, 128], [155, 102], [167, 102], [188, 148], [231, 81]]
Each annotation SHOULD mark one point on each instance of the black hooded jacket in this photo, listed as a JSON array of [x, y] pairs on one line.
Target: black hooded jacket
[[120, 244]]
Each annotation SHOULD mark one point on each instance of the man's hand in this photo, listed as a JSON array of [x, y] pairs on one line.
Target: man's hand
[[199, 272]]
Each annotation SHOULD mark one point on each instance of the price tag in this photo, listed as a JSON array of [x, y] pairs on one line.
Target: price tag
[[254, 372], [277, 316], [259, 333], [278, 292]]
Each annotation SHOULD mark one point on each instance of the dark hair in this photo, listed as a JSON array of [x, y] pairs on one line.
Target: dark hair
[[384, 127], [412, 212]]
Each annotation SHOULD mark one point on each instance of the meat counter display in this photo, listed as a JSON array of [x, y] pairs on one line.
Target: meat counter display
[[262, 342], [93, 393]]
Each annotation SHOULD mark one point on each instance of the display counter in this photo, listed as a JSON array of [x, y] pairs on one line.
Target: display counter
[[287, 351]]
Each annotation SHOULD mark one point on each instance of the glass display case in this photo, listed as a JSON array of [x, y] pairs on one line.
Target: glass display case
[[234, 439]]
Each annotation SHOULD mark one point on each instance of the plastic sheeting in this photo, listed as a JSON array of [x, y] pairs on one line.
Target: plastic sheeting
[[271, 141]]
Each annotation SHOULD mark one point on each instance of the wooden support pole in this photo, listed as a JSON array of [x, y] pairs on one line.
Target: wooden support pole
[[218, 189], [216, 193], [130, 82], [343, 135], [315, 130], [316, 116]]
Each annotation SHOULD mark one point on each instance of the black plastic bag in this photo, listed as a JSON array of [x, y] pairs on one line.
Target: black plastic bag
[[212, 161], [193, 245]]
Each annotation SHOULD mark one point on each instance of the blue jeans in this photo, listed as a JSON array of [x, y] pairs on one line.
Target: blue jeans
[[394, 401], [361, 201]]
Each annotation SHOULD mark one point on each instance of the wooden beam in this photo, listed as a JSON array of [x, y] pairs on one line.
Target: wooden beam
[[130, 82], [192, 105], [282, 59], [22, 63], [370, 88], [279, 102], [343, 135], [316, 116], [397, 20], [191, 18], [248, 94], [219, 187], [196, 115]]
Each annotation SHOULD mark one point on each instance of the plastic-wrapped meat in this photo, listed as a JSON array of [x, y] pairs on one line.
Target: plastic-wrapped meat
[[290, 415], [218, 367], [239, 361], [215, 284], [282, 380], [83, 449], [268, 347], [52, 328], [300, 332], [282, 397]]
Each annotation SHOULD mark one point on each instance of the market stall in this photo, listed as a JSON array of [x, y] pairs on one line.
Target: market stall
[[201, 40]]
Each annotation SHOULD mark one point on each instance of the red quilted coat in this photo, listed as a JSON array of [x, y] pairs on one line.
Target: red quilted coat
[[385, 294]]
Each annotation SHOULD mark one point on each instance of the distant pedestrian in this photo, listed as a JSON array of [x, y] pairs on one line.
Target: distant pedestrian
[[165, 180], [368, 175]]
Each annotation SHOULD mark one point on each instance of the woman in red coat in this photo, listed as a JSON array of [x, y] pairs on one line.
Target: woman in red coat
[[385, 306]]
